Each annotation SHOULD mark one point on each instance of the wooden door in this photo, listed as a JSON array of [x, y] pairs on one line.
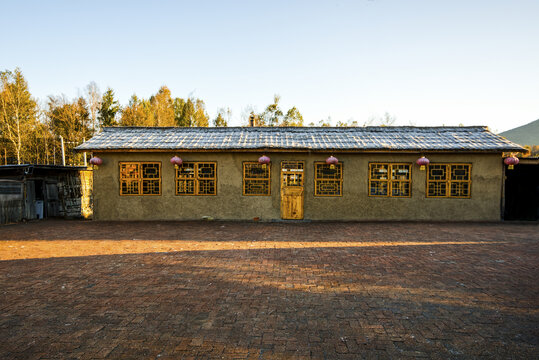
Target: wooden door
[[292, 178]]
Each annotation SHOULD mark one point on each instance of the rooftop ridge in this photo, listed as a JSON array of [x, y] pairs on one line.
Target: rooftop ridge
[[296, 128]]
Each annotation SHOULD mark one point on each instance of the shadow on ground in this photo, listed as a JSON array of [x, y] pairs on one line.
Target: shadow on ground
[[466, 291]]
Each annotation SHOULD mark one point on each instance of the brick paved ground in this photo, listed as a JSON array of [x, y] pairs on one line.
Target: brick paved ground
[[164, 290]]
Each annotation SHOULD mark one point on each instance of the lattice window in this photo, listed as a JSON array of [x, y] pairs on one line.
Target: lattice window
[[292, 173], [256, 179], [140, 178], [389, 180], [327, 181], [449, 180], [196, 178]]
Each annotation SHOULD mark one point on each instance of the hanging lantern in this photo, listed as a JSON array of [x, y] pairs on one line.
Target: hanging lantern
[[95, 161], [511, 161], [264, 160], [422, 162], [331, 161], [176, 161]]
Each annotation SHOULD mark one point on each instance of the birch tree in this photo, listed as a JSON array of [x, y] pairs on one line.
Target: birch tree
[[93, 99], [17, 110], [163, 107], [272, 115], [201, 117], [292, 118]]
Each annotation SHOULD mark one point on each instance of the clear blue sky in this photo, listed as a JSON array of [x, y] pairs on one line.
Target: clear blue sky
[[431, 62]]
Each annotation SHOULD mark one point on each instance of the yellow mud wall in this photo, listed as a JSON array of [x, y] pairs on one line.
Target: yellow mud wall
[[354, 204]]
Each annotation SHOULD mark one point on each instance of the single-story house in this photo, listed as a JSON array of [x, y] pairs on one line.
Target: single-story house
[[309, 173]]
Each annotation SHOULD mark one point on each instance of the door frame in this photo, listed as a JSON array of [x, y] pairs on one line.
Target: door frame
[[299, 168]]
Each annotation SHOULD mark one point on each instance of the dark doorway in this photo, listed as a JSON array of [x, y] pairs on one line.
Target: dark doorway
[[39, 189], [522, 191], [39, 202]]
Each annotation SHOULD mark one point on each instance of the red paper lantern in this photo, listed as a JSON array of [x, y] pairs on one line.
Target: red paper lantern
[[511, 161], [176, 161], [264, 160], [332, 161], [95, 161], [422, 162]]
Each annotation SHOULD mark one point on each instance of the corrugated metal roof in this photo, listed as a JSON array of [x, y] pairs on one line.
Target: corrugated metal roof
[[475, 138]]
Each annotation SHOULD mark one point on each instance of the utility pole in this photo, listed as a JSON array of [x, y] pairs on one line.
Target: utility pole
[[63, 151]]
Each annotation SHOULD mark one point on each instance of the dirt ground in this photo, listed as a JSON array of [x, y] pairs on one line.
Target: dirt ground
[[239, 290]]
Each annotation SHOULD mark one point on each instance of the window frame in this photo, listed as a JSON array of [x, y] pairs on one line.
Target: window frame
[[195, 179], [340, 179], [292, 167], [389, 181], [448, 181], [244, 179], [139, 178]]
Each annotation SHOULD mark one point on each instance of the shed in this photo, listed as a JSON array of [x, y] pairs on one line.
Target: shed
[[40, 191]]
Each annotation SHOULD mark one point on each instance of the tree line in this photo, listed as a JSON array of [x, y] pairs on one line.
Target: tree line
[[32, 132]]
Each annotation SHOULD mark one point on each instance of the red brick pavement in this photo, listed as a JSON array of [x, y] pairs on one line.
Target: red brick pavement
[[213, 290]]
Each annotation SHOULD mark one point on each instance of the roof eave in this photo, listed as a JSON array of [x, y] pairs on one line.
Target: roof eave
[[272, 149]]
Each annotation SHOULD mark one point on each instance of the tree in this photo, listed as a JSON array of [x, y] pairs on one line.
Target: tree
[[223, 117], [272, 115], [108, 110], [178, 105], [292, 118], [188, 114], [137, 113], [93, 99], [349, 123], [220, 119], [40, 144], [322, 123], [228, 115], [201, 117], [163, 108], [385, 120], [70, 120], [17, 110]]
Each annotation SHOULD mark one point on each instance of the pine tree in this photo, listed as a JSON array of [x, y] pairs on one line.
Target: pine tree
[[188, 114], [109, 108], [178, 105], [219, 121]]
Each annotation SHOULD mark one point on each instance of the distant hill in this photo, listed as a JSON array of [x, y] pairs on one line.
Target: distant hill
[[524, 135]]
